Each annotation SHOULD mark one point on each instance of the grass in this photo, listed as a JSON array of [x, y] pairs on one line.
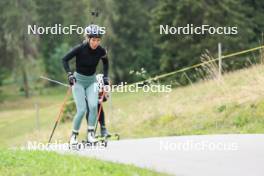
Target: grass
[[17, 162], [13, 100], [233, 105]]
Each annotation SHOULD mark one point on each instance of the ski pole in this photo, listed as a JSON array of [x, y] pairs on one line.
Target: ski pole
[[54, 81], [60, 113], [99, 112]]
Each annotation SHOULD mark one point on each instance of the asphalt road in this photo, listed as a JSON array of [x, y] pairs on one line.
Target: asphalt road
[[204, 155]]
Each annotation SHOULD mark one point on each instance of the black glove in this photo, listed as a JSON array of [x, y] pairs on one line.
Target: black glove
[[71, 79], [106, 80]]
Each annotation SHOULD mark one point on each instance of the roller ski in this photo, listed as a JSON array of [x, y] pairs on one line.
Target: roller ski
[[97, 143], [92, 141], [105, 135]]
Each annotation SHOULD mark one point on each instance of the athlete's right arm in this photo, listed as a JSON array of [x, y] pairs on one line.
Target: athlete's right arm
[[68, 57]]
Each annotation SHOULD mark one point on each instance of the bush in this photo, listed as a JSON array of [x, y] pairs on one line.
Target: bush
[[69, 112]]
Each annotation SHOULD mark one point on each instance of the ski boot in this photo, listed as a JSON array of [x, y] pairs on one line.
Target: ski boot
[[104, 132], [90, 137], [92, 141], [73, 144], [108, 136]]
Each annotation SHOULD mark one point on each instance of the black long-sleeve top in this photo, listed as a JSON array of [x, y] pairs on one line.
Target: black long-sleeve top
[[87, 59]]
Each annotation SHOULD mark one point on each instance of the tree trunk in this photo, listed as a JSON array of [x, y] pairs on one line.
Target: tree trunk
[[25, 82]]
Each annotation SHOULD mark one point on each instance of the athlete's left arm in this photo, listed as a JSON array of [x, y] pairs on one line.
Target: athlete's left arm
[[105, 64]]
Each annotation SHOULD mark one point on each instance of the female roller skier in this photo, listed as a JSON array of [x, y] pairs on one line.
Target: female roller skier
[[83, 80]]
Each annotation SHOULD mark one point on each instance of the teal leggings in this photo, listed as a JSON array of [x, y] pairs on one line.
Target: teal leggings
[[85, 88]]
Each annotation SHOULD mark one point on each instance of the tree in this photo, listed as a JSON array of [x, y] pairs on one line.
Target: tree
[[129, 38], [66, 13], [18, 47], [255, 13], [177, 51]]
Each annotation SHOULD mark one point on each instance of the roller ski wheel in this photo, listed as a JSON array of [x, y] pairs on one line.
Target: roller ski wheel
[[117, 136], [103, 142], [90, 143], [99, 143], [76, 146], [114, 136]]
